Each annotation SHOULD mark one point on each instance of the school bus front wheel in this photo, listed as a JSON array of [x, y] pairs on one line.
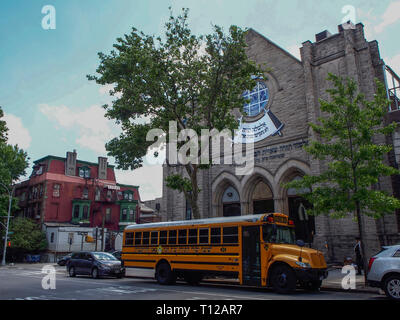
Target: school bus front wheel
[[283, 279]]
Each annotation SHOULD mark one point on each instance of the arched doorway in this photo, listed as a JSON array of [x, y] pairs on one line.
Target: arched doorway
[[231, 202], [298, 206], [262, 198]]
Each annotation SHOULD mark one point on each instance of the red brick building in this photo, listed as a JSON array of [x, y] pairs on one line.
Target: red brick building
[[78, 193]]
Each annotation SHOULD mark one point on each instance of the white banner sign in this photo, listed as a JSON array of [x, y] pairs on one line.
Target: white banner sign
[[258, 130]]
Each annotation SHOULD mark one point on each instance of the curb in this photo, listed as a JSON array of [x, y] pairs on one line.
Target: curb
[[351, 290]]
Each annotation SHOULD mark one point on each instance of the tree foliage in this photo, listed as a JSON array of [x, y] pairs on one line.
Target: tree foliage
[[355, 162], [27, 237], [196, 81], [13, 163]]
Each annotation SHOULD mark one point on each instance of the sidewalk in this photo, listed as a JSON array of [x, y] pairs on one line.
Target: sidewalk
[[334, 282]]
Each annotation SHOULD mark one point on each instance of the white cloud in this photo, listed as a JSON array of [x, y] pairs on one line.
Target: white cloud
[[93, 128], [105, 89], [394, 63], [295, 51], [390, 16], [148, 178], [373, 24], [17, 133]]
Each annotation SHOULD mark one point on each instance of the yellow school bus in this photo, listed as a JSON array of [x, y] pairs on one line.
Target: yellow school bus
[[259, 250]]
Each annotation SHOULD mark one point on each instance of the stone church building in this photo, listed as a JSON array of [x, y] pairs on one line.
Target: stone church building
[[288, 97]]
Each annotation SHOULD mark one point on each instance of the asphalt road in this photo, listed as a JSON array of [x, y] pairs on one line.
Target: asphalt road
[[25, 283]]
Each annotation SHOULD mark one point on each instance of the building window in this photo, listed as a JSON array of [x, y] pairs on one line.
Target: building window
[[84, 172], [85, 214], [257, 99], [108, 215], [98, 194], [124, 214], [85, 193], [188, 210], [131, 215], [76, 211], [56, 190], [109, 195], [39, 171], [128, 195], [35, 192], [52, 237]]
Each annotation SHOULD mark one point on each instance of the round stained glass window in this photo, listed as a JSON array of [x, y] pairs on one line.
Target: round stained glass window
[[258, 98]]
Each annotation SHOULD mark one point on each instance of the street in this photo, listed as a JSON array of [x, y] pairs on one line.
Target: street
[[24, 282]]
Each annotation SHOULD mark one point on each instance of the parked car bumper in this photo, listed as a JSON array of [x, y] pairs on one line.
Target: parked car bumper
[[112, 272]]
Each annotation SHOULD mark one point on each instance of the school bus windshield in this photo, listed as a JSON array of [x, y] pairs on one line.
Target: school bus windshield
[[278, 234]]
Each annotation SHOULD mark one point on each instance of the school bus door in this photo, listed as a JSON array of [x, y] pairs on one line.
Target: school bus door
[[251, 264]]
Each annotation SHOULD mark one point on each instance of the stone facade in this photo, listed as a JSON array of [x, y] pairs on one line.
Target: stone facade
[[295, 87]]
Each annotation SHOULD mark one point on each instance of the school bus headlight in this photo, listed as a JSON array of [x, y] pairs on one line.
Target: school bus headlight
[[304, 265]]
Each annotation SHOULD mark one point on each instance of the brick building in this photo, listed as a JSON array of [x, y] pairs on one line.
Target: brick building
[[67, 192], [288, 99]]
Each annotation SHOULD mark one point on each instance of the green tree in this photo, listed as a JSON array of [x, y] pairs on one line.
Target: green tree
[[26, 237], [13, 163], [354, 161], [195, 81]]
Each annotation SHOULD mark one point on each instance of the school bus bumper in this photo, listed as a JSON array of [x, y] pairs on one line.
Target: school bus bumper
[[311, 274]]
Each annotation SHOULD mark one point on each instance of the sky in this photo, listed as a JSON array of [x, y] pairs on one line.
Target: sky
[[50, 107]]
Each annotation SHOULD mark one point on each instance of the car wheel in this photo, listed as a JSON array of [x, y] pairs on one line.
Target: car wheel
[[283, 279], [164, 274], [392, 287], [71, 272], [95, 273]]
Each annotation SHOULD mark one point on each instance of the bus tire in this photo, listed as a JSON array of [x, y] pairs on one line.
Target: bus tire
[[164, 274], [283, 279]]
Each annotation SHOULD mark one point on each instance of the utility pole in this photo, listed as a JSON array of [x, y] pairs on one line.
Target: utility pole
[[3, 262]]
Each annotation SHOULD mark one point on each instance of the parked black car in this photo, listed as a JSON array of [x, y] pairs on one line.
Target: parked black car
[[63, 260], [95, 264]]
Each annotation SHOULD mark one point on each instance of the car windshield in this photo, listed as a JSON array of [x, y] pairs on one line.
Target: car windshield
[[278, 234], [104, 256]]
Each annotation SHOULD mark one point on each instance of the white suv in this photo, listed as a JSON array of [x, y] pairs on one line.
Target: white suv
[[384, 271]]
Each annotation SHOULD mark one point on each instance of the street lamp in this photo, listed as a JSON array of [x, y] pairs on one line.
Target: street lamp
[[3, 262]]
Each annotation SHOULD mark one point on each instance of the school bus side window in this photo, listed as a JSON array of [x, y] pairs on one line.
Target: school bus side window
[[230, 235], [182, 236], [154, 237], [146, 236], [163, 237], [172, 237], [192, 236], [129, 238], [215, 235], [138, 238], [203, 236]]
